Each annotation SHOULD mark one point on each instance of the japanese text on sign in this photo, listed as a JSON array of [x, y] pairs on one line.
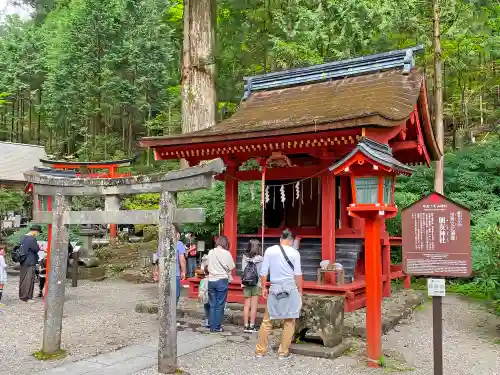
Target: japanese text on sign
[[436, 238]]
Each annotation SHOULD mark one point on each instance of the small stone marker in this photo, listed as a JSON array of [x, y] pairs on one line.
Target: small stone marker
[[436, 287]]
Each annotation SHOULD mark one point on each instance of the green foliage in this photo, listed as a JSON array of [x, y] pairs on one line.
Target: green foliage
[[472, 178], [15, 237], [10, 200], [89, 77], [213, 201]]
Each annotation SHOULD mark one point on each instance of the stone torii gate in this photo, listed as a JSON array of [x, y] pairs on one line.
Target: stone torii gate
[[63, 188]]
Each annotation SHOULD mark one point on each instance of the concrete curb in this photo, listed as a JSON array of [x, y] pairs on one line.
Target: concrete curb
[[318, 351], [389, 321]]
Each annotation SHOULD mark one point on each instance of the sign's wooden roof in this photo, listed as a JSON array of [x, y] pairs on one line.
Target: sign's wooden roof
[[18, 158]]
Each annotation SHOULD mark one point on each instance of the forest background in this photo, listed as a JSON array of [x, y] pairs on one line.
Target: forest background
[[88, 78]]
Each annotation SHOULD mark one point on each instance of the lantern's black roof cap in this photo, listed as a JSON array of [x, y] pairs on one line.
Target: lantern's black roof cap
[[379, 152]]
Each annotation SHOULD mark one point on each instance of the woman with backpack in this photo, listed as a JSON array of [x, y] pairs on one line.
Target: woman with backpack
[[251, 265]]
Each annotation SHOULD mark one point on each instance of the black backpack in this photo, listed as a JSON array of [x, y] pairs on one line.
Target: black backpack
[[250, 275], [18, 254]]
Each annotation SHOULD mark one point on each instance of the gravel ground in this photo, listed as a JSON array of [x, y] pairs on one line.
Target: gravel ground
[[98, 317], [470, 345]]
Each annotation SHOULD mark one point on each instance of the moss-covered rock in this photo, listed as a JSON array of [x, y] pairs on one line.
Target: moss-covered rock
[[323, 315]]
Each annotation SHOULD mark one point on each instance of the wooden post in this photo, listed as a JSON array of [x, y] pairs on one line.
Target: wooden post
[[231, 214], [328, 216], [112, 203], [344, 201], [56, 279], [167, 346], [373, 270], [74, 270], [112, 234], [386, 268], [437, 303]]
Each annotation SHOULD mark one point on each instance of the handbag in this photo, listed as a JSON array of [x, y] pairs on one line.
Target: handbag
[[203, 291]]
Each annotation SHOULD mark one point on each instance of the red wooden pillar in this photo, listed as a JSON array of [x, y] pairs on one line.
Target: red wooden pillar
[[386, 260], [328, 216], [373, 273], [344, 201], [112, 227], [386, 269], [231, 213], [407, 282]]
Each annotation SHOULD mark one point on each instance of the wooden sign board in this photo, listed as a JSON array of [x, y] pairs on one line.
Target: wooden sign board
[[436, 238]]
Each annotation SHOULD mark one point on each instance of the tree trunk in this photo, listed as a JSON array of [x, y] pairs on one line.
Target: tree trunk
[[21, 119], [30, 130], [481, 109], [438, 98], [198, 66], [12, 119], [39, 115], [130, 119]]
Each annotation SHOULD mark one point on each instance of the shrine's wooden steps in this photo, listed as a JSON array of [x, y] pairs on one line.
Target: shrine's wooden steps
[[347, 252]]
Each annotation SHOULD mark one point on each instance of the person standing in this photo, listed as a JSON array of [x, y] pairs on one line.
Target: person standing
[[220, 266], [3, 272], [42, 271], [180, 262], [251, 265], [191, 254], [284, 299], [29, 259]]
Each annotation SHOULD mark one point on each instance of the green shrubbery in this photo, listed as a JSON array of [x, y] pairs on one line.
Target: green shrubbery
[[15, 237], [472, 178], [213, 201]]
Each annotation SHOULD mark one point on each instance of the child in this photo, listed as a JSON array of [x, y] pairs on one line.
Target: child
[[203, 289], [3, 271], [156, 266], [252, 286], [42, 275]]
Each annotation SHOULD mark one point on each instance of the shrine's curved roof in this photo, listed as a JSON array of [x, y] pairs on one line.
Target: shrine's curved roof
[[381, 98]]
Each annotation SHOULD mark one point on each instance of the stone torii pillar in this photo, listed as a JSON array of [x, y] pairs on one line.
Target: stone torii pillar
[[199, 177]]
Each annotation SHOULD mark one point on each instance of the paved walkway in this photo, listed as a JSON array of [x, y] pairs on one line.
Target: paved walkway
[[134, 358]]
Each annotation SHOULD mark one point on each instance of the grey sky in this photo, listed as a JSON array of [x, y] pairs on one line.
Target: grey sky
[[7, 8]]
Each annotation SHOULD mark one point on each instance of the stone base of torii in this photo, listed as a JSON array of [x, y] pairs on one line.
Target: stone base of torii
[[63, 188]]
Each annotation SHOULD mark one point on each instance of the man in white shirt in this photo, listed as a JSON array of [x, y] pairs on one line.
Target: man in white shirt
[[284, 299]]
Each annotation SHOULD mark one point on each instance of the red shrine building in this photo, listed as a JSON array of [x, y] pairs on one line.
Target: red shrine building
[[298, 123]]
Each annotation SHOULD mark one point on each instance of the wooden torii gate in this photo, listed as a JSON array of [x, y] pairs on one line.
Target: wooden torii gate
[[63, 188]]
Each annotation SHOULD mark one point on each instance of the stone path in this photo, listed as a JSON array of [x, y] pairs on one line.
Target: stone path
[[134, 358]]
